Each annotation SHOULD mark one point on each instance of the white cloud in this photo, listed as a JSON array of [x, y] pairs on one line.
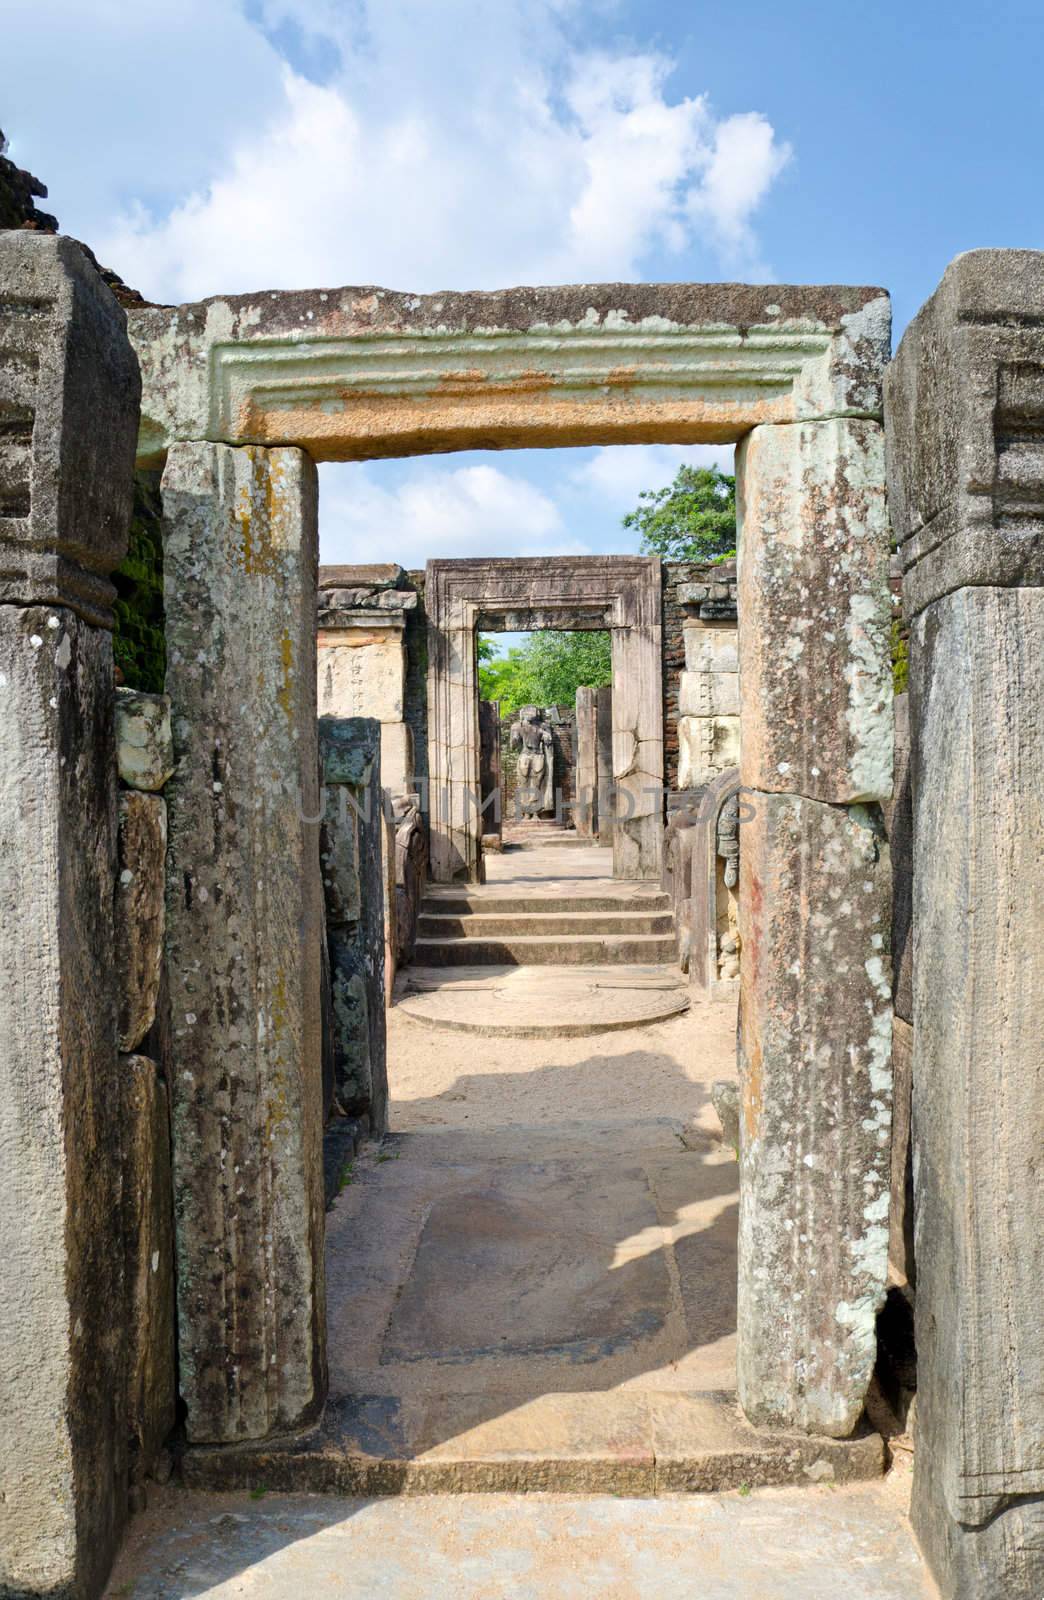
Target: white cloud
[[208, 146], [745, 162], [539, 502], [429, 145], [615, 475], [437, 511]]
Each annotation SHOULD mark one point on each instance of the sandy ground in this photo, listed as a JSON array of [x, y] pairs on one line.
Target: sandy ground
[[654, 1074]]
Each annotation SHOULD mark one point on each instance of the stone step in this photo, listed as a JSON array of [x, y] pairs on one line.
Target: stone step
[[557, 841], [622, 1441], [541, 1002], [548, 950], [602, 924], [461, 903]]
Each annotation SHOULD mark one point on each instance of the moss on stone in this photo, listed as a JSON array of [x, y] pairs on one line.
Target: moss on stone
[[139, 643], [900, 657]]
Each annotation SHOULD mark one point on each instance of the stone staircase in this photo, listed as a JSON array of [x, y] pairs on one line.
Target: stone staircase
[[621, 924]]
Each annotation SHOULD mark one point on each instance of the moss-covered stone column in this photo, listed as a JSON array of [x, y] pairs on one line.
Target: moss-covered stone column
[[244, 921]]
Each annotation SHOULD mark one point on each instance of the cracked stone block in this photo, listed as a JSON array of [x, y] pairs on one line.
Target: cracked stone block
[[815, 611], [244, 937], [144, 743], [140, 884], [816, 1105], [148, 1235]]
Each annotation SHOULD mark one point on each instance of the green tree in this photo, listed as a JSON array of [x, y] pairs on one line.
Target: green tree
[[546, 670], [691, 519]]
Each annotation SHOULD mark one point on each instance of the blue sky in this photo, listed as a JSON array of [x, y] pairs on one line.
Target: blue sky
[[203, 146]]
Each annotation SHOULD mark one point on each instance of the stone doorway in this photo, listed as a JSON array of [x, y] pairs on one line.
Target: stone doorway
[[521, 595], [794, 375]]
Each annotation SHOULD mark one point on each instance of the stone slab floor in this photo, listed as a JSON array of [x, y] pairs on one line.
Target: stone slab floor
[[815, 1543], [547, 1217], [531, 1286]]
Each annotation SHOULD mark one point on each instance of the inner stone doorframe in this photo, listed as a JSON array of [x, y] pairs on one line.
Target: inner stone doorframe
[[793, 373], [520, 595]]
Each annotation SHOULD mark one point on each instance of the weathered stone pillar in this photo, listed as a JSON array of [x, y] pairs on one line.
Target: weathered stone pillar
[[638, 729], [69, 393], [604, 758], [244, 921], [355, 873], [585, 799], [965, 412], [815, 1001], [490, 780], [454, 794]]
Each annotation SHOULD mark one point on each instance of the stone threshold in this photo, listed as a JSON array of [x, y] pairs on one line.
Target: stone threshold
[[624, 1441]]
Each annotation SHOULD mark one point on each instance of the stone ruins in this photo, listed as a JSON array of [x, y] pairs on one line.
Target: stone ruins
[[207, 893]]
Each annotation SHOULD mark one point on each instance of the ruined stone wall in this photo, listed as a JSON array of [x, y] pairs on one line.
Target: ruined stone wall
[[695, 595], [362, 656]]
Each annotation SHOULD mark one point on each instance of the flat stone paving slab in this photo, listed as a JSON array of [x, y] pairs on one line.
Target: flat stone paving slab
[[520, 1262], [532, 1286], [772, 1544], [541, 1002], [554, 869]]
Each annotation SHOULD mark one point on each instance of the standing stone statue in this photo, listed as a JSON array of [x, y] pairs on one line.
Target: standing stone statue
[[536, 764]]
